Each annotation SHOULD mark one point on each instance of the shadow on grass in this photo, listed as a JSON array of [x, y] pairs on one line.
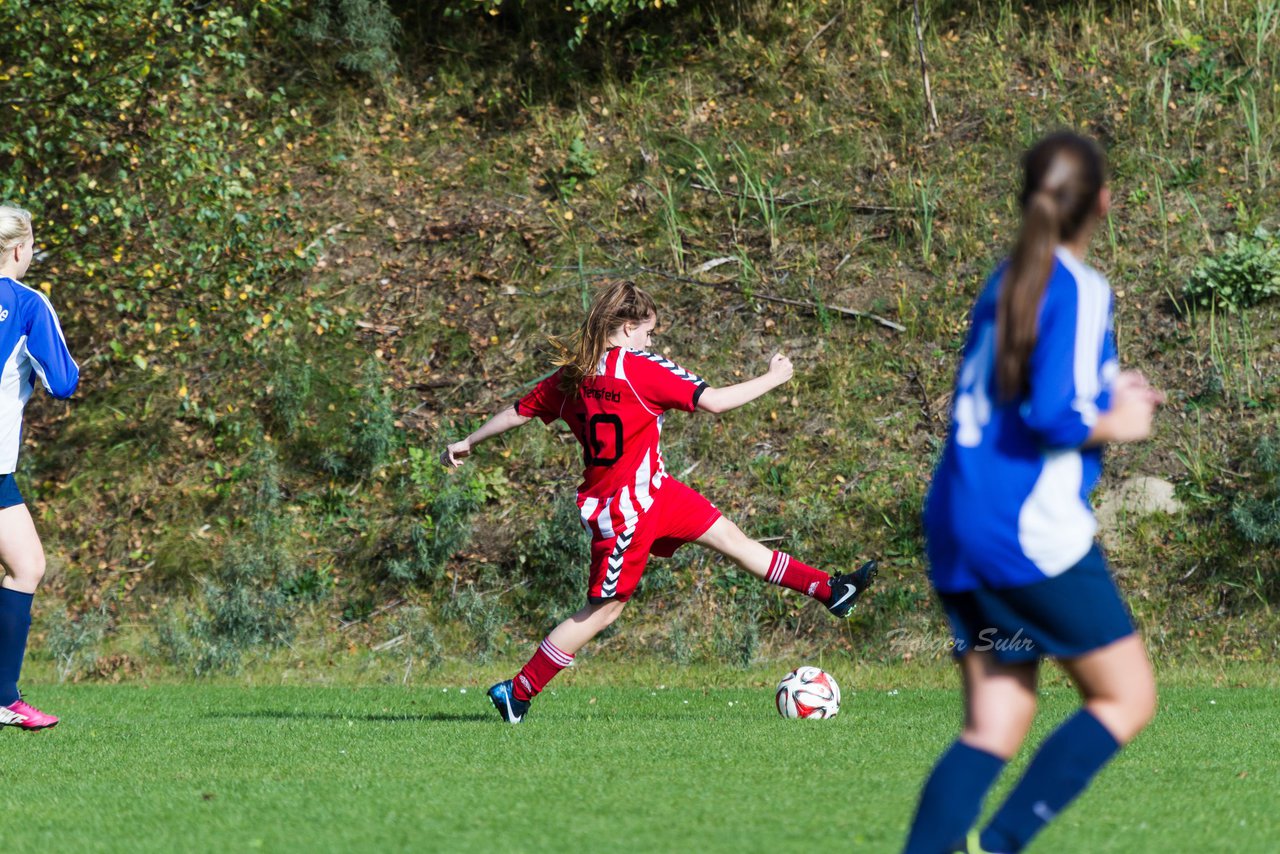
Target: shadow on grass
[[433, 717]]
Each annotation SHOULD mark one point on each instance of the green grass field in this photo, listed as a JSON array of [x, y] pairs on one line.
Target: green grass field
[[233, 768]]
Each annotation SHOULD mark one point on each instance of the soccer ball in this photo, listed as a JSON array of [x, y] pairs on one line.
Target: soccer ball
[[808, 692]]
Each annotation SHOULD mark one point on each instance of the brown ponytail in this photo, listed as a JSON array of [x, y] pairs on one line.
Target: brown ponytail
[[1062, 177], [616, 302]]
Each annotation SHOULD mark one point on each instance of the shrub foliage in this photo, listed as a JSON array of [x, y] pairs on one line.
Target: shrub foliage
[[1243, 274]]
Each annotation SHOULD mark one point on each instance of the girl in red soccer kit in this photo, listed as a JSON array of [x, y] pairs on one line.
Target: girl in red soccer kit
[[613, 393]]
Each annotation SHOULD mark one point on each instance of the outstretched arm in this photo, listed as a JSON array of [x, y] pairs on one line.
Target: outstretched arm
[[1133, 405], [729, 397], [505, 420]]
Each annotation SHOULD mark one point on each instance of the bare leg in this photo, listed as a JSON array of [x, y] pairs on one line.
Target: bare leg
[[20, 550], [728, 539], [574, 633], [999, 701], [1117, 685], [23, 559]]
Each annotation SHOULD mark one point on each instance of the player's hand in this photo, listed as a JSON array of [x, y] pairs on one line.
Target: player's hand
[[1132, 384], [780, 368], [1131, 389], [453, 455], [1133, 406]]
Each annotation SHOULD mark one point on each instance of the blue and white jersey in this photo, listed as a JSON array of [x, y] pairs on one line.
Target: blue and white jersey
[[32, 342], [1009, 502]]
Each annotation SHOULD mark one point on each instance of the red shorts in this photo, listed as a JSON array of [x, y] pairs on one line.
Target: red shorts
[[679, 515]]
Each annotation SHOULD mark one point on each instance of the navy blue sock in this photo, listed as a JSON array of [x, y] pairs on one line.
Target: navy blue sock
[[1060, 770], [15, 622], [951, 799]]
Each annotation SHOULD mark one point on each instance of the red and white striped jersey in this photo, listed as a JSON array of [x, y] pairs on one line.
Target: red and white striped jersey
[[617, 417]]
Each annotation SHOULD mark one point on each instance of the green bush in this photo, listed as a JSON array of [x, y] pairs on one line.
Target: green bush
[[580, 164], [341, 429], [553, 561], [406, 555], [244, 608], [287, 392], [245, 602], [736, 640], [73, 642], [1244, 273], [1257, 517], [482, 617], [578, 18], [411, 635], [436, 524], [374, 433], [681, 644], [362, 34], [1258, 520], [147, 152], [172, 640], [311, 585]]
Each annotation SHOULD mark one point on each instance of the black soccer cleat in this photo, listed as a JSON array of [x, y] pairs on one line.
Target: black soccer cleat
[[845, 589], [504, 700]]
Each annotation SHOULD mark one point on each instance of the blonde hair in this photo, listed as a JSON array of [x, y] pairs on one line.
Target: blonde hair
[[615, 303], [15, 226]]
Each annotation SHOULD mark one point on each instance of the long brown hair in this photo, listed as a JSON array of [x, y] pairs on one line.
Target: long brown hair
[[1062, 177], [616, 302]]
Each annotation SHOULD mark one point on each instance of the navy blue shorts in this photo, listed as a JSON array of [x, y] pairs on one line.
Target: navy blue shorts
[[1061, 617], [9, 494]]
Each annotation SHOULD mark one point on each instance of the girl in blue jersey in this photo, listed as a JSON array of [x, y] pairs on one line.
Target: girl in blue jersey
[[1009, 527], [31, 346]]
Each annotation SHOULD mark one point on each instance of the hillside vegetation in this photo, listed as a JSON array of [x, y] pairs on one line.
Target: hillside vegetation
[[298, 246]]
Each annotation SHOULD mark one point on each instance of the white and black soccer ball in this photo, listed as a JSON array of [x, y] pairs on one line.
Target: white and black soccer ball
[[808, 692]]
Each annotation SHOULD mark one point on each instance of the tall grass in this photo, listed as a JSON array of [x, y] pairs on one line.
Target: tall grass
[[669, 154], [1261, 140], [1265, 21], [672, 220], [758, 196]]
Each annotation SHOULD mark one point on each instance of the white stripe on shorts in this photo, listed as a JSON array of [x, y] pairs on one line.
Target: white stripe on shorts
[[643, 478], [604, 520], [588, 507]]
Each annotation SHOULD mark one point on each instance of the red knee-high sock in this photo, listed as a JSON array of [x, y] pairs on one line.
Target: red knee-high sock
[[786, 571], [547, 661]]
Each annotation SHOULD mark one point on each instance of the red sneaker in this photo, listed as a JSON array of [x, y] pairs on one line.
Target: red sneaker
[[23, 716]]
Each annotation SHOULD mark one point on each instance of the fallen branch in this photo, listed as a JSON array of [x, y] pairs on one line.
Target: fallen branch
[[380, 328], [395, 641], [856, 207], [689, 471], [727, 285], [793, 60], [931, 112], [437, 232], [430, 385], [712, 264], [812, 307], [390, 606]]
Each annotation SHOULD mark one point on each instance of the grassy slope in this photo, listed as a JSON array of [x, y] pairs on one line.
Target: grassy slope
[[837, 464], [465, 224], [646, 768]]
